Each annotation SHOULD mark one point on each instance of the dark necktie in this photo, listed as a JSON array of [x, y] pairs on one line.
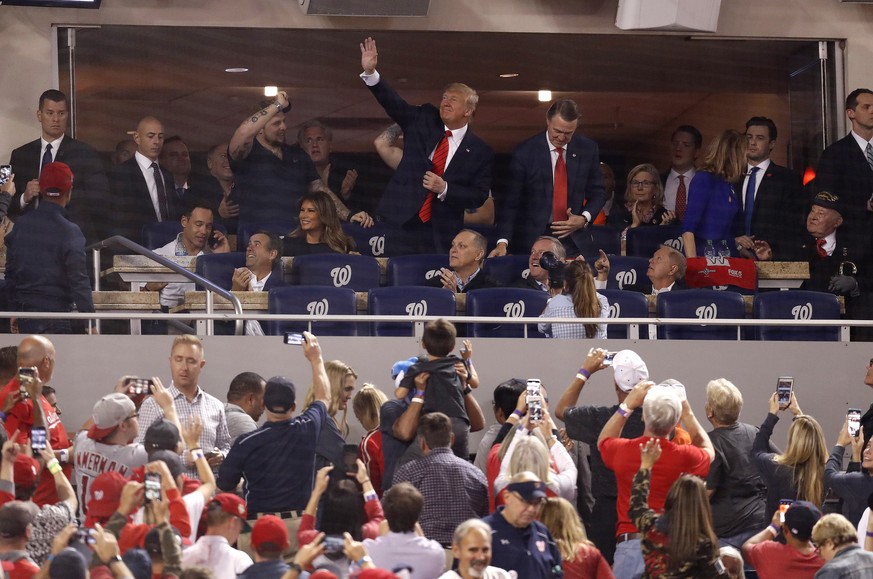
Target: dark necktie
[[559, 190], [439, 166], [162, 193], [681, 198], [819, 247], [749, 201], [46, 157], [869, 151]]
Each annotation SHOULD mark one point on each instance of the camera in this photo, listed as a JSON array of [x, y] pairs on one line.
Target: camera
[[555, 266]]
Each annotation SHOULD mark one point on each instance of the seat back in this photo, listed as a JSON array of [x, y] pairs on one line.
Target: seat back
[[218, 267], [507, 303], [704, 304], [160, 233], [797, 305], [370, 241], [415, 269], [625, 304], [625, 271], [315, 301], [592, 239], [507, 269], [644, 241], [407, 301], [355, 272], [280, 227]]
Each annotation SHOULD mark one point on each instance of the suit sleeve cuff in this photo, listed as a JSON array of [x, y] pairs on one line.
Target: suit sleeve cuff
[[587, 217], [371, 79], [503, 241]]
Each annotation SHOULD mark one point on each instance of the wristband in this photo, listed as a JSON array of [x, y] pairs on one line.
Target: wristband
[[371, 496], [774, 528], [2, 416], [197, 454], [278, 106], [419, 393], [583, 374], [468, 389], [295, 567], [870, 533], [517, 413], [419, 400], [623, 410], [54, 466], [65, 455], [363, 560]]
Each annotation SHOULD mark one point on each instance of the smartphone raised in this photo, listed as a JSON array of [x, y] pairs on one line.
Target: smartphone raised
[[5, 173], [610, 356], [853, 418], [25, 375], [294, 339], [152, 486], [37, 438], [784, 388], [334, 544], [783, 507], [534, 400], [139, 386]]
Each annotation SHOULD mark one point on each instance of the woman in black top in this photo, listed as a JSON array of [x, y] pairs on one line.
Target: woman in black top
[[644, 201], [320, 230]]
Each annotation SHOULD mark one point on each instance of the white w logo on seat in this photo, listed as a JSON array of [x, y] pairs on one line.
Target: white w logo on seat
[[341, 275]]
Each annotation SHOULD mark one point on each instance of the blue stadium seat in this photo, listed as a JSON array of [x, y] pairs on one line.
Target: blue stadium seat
[[704, 304], [797, 305], [314, 301], [597, 237], [644, 241], [506, 269], [507, 303], [407, 300], [280, 227], [160, 233], [218, 267], [415, 269], [626, 271], [370, 241], [355, 272], [625, 304]]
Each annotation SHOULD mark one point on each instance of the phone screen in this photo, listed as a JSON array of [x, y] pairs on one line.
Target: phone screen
[[294, 339], [783, 507], [37, 438], [783, 390], [853, 416], [152, 487]]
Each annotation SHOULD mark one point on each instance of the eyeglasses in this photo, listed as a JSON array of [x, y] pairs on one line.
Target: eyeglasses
[[638, 184]]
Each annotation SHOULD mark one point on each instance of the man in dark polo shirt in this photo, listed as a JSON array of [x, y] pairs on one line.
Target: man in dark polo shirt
[[276, 460]]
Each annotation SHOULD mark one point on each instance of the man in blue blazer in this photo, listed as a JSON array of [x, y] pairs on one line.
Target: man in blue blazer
[[845, 171], [91, 187], [527, 209], [425, 203]]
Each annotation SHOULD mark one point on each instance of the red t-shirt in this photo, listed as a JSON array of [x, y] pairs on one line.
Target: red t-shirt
[[20, 418], [772, 559], [23, 569], [622, 456]]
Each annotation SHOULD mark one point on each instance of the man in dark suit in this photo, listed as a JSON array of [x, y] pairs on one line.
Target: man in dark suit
[[466, 257], [556, 187], [846, 167], [538, 277], [263, 270], [445, 168], [772, 195], [142, 190], [92, 186]]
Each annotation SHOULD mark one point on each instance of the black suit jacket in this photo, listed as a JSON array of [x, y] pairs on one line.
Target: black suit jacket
[[524, 210], [90, 184], [843, 170], [778, 213], [468, 174], [131, 206]]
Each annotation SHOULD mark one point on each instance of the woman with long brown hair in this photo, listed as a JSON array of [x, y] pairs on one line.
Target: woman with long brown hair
[[681, 543], [319, 229], [579, 557], [577, 299], [713, 201]]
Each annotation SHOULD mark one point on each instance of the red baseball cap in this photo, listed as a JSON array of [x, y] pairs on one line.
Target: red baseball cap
[[25, 472], [105, 496], [271, 532], [234, 505], [56, 179]]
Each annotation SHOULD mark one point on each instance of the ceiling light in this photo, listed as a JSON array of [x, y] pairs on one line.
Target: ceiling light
[[238, 69], [271, 91], [544, 96], [509, 75]]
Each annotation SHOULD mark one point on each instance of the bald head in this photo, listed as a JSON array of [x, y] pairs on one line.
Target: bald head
[[40, 352], [149, 137]]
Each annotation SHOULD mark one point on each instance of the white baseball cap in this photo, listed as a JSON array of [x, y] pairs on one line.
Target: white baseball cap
[[629, 370]]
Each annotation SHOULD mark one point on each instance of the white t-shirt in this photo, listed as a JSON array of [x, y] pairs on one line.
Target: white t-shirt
[[215, 553], [490, 573], [93, 458]]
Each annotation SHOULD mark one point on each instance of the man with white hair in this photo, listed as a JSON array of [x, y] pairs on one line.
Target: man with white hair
[[471, 546], [663, 407], [584, 424]]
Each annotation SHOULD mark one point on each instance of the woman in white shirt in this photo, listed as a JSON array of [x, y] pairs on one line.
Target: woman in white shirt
[[577, 299]]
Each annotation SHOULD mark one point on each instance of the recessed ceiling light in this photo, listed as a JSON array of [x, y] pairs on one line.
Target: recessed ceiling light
[[271, 91], [509, 75], [237, 69], [544, 96]]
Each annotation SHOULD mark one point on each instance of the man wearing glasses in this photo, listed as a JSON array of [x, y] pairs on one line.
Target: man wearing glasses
[[520, 542]]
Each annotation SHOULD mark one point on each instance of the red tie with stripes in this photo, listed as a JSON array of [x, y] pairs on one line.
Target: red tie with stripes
[[439, 165], [559, 190]]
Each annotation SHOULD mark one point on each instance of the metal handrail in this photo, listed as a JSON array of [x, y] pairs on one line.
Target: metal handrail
[[118, 240]]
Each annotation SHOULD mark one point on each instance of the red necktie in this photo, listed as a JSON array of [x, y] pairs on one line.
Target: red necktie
[[681, 198], [439, 165], [559, 191], [819, 247]]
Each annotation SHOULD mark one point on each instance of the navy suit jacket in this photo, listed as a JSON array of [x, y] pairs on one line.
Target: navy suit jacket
[[90, 184], [778, 214], [524, 211], [132, 207], [468, 173], [843, 170]]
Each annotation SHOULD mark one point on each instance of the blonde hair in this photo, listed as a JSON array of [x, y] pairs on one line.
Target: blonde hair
[[188, 340], [531, 454], [562, 520], [337, 371], [367, 405], [657, 195], [835, 528], [726, 156], [806, 456], [724, 400]]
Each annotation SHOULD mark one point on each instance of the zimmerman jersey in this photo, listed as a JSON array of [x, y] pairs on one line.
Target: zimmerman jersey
[[93, 458]]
